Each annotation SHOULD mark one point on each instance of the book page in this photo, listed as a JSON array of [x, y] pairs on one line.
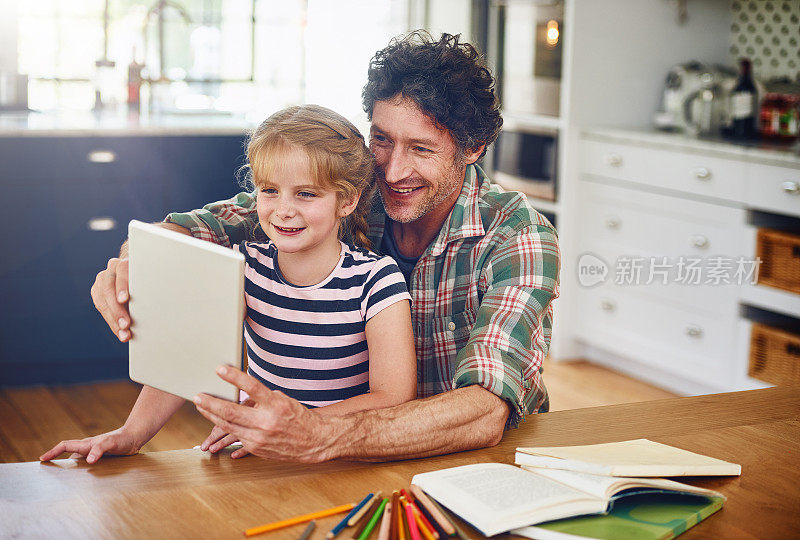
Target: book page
[[639, 457], [605, 486], [496, 497]]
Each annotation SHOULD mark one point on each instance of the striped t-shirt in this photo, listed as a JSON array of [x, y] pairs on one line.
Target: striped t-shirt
[[309, 342]]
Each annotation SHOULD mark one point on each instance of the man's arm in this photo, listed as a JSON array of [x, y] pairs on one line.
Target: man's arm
[[281, 428]]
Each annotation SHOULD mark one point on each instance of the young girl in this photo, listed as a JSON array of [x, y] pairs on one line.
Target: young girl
[[327, 323]]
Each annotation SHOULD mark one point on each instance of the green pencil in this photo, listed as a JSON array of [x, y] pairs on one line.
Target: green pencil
[[375, 517]]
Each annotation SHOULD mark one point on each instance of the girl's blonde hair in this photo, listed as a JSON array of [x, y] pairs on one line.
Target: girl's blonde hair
[[337, 155]]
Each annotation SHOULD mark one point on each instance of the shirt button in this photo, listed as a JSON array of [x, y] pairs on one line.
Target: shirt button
[[451, 326]]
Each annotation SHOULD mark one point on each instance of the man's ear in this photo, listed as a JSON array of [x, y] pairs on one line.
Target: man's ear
[[348, 205], [473, 155]]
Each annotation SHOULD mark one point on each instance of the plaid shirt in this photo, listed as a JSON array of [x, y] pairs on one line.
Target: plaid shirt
[[482, 292]]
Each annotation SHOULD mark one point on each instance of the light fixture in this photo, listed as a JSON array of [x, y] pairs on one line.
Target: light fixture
[[552, 33]]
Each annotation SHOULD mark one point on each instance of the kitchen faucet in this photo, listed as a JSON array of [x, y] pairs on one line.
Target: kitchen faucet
[[158, 10]]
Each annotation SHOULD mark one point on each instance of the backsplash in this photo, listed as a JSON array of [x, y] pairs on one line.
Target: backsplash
[[767, 32]]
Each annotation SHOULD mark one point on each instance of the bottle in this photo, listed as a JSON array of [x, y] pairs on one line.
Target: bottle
[[134, 83], [744, 104]]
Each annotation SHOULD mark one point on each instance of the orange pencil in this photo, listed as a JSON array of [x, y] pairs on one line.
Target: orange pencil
[[401, 522], [299, 519]]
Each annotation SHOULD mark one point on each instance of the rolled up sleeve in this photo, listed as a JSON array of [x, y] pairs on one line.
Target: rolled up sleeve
[[226, 223], [513, 325]]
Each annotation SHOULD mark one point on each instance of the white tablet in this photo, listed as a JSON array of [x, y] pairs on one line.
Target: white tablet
[[187, 309]]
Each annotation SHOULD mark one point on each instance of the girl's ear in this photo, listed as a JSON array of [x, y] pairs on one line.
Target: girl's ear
[[347, 206]]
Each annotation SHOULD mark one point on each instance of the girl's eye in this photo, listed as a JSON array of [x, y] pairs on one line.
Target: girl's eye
[[268, 191], [307, 194]]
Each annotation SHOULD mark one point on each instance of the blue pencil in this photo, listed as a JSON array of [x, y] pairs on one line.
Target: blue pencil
[[342, 524]]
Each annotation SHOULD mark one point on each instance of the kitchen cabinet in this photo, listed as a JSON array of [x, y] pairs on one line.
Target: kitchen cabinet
[[67, 201], [665, 200]]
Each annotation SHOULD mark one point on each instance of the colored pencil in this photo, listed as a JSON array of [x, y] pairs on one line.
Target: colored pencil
[[419, 514], [401, 521], [396, 517], [440, 533], [307, 532], [342, 524], [299, 519], [366, 509], [386, 523], [412, 523], [362, 523], [459, 532], [373, 520], [437, 516]]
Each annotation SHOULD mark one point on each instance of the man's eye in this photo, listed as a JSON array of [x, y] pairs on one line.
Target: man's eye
[[421, 149], [379, 138]]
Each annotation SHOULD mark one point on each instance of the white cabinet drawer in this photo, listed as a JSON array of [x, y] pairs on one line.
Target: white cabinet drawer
[[690, 254], [648, 224], [774, 189], [679, 341], [690, 173]]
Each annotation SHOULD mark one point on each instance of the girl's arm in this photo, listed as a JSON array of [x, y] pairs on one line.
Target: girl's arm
[[149, 414], [392, 363]]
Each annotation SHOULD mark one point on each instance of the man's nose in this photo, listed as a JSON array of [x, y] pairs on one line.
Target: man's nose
[[398, 166]]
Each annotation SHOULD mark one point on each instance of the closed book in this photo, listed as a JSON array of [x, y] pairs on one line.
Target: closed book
[[640, 457]]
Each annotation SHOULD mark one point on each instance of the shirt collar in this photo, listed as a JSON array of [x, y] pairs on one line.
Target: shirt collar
[[464, 220]]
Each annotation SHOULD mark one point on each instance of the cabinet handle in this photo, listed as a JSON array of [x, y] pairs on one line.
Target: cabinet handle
[[101, 156], [792, 188], [613, 222], [615, 160], [694, 331], [102, 224], [608, 305], [699, 241], [701, 173]]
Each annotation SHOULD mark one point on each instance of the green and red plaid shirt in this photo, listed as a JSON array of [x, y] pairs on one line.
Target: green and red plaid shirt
[[482, 292]]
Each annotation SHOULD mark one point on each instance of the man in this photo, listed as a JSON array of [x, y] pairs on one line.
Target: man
[[482, 268]]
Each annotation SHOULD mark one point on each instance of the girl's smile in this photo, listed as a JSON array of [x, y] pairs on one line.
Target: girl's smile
[[301, 217]]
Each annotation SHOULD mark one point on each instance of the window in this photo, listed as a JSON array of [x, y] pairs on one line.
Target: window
[[242, 56]]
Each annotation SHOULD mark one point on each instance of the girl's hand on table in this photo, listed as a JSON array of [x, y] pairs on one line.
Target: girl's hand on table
[[119, 442]]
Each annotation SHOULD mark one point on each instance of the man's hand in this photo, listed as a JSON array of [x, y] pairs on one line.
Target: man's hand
[[119, 442], [275, 426], [110, 297], [219, 438]]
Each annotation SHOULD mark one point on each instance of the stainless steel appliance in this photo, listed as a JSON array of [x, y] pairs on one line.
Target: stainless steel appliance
[[525, 158]]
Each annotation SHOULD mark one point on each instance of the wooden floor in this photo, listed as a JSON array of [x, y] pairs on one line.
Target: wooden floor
[[32, 420]]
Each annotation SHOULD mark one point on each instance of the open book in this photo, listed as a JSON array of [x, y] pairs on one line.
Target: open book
[[640, 457], [496, 497]]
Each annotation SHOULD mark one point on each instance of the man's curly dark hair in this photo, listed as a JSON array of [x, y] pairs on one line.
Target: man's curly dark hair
[[447, 79]]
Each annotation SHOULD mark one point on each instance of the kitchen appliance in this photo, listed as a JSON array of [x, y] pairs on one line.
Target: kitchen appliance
[[526, 52], [697, 99], [525, 158]]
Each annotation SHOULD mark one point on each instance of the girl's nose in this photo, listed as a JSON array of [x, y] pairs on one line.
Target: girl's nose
[[285, 208]]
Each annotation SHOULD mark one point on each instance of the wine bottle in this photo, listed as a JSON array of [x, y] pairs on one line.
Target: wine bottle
[[744, 103]]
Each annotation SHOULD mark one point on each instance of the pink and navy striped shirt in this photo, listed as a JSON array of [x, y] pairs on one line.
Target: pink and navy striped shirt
[[309, 342]]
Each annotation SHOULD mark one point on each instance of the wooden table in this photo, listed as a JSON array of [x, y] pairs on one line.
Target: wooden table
[[189, 494]]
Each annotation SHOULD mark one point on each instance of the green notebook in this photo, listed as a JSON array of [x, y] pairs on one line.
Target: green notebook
[[642, 516]]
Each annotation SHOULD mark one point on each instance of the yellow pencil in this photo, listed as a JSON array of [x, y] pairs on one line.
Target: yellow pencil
[[299, 519]]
